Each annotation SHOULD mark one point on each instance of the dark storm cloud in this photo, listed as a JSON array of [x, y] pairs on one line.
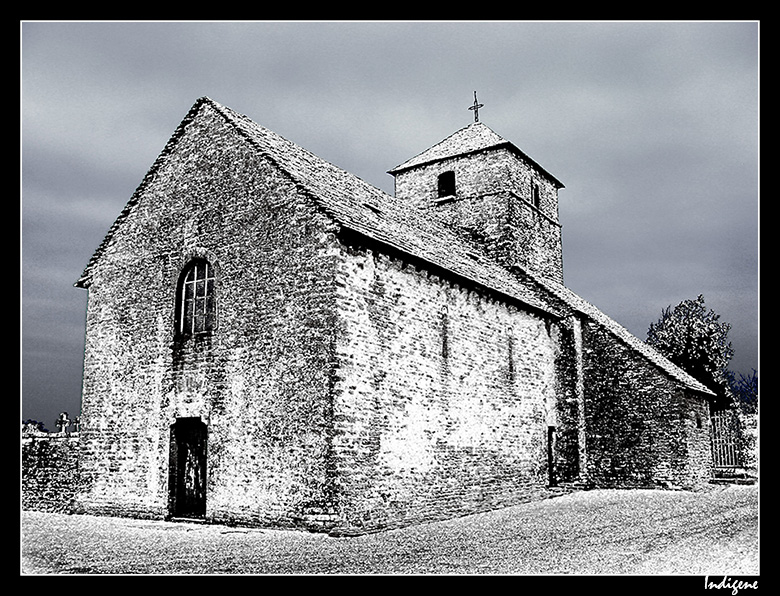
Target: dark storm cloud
[[652, 127]]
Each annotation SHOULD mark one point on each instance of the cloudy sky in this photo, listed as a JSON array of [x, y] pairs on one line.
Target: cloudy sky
[[651, 126]]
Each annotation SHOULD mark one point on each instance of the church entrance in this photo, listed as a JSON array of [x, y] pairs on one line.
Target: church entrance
[[187, 477]]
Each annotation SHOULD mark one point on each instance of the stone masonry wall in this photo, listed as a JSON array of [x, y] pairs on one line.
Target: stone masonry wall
[[259, 381], [641, 428], [512, 231], [442, 401], [50, 471], [493, 204]]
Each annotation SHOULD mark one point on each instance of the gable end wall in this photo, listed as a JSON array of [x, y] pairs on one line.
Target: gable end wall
[[260, 381]]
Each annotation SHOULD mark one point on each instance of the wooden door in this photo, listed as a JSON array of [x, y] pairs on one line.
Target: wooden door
[[188, 468]]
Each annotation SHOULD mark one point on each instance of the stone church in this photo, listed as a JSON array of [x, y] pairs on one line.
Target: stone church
[[271, 341]]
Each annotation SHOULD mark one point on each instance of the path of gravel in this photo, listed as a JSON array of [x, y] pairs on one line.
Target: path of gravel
[[595, 532]]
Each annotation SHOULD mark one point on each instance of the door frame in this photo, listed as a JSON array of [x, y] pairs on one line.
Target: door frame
[[188, 470]]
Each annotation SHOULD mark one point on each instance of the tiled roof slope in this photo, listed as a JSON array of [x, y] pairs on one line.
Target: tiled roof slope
[[470, 139], [474, 137], [581, 305], [354, 204], [365, 209]]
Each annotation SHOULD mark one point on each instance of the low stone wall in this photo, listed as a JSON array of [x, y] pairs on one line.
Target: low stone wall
[[50, 471], [749, 432]]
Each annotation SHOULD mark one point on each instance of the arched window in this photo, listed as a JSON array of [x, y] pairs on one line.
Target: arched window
[[195, 301], [446, 184]]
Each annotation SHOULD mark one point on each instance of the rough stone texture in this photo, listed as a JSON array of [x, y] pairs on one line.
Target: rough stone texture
[[749, 432], [642, 429], [494, 205], [50, 471], [368, 369], [260, 381], [443, 396]]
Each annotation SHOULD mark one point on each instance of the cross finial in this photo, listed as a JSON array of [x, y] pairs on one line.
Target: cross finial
[[476, 107]]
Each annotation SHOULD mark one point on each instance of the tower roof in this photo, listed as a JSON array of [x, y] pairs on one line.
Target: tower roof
[[473, 138]]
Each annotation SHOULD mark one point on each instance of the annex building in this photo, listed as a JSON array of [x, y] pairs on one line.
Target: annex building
[[272, 341]]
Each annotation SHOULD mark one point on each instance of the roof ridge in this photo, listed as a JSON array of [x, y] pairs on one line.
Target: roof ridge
[[83, 280], [445, 143], [367, 210]]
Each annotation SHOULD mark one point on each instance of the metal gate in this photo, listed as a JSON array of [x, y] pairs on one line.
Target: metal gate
[[726, 451]]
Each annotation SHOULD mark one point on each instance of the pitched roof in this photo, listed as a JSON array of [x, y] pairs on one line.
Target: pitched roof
[[581, 305], [473, 138], [354, 204], [365, 209]]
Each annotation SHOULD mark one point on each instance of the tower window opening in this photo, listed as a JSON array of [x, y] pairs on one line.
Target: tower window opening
[[446, 184], [535, 195]]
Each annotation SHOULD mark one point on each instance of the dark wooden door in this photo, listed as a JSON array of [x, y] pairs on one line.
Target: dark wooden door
[[188, 460], [551, 475]]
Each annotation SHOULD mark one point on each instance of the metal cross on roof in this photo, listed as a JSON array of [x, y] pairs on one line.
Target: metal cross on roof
[[476, 107]]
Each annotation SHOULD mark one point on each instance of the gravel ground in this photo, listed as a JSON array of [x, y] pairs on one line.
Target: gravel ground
[[639, 532]]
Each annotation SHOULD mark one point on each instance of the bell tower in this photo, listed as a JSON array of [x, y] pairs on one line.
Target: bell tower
[[486, 188]]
